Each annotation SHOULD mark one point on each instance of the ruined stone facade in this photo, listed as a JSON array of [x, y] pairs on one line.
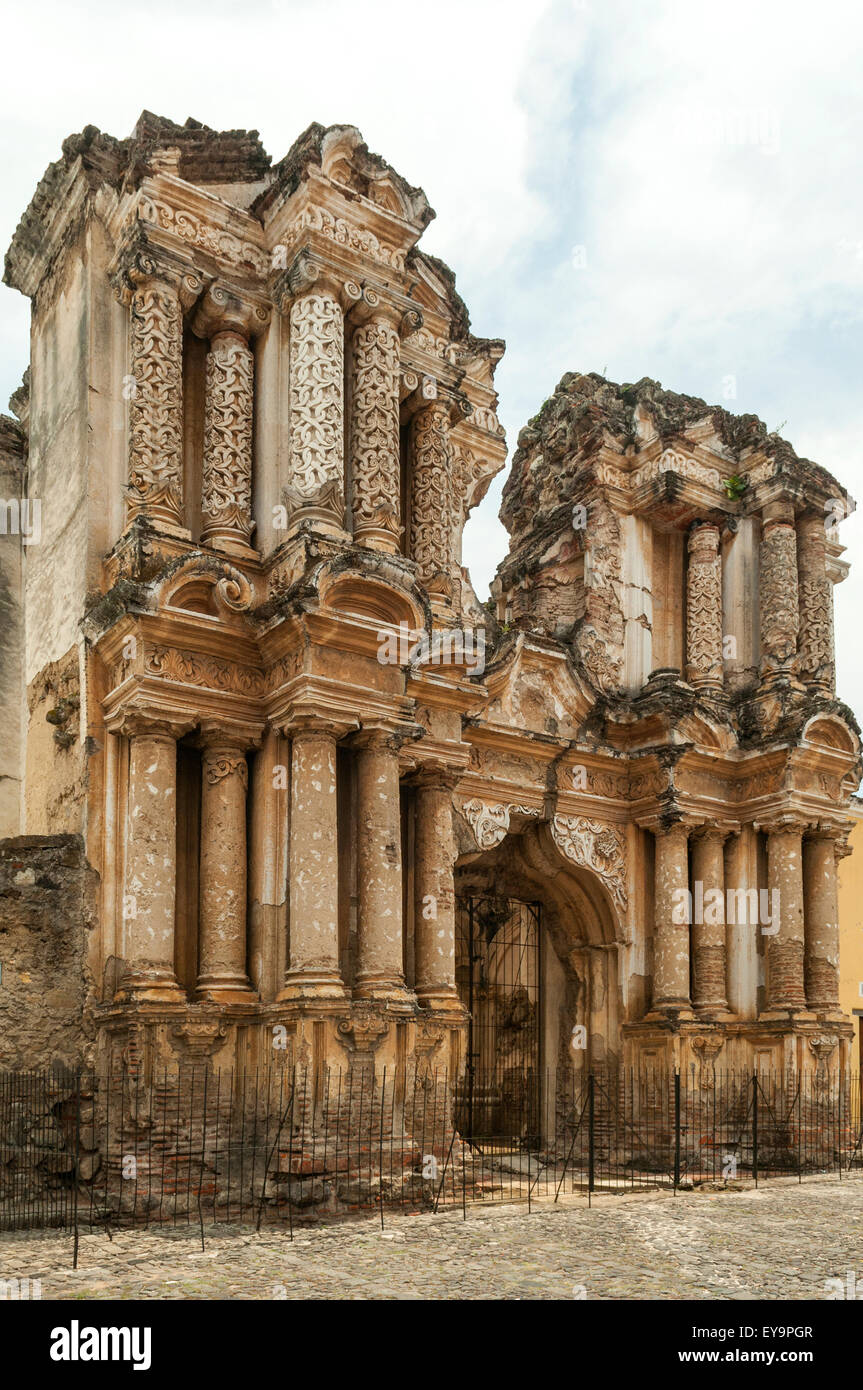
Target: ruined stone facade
[[256, 422]]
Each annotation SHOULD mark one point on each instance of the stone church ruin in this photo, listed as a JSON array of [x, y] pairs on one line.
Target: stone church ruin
[[238, 834]]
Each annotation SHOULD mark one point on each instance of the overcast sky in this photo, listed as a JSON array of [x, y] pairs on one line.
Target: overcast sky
[[666, 189]]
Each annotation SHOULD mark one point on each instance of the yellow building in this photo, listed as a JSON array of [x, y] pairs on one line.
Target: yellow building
[[851, 930]]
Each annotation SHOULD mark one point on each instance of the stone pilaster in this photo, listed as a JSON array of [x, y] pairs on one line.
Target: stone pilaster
[[821, 917], [815, 660], [380, 951], [226, 492], [151, 863], [313, 969], [375, 448], [434, 894], [671, 927], [778, 600], [704, 668], [785, 936], [708, 935], [223, 882], [431, 503]]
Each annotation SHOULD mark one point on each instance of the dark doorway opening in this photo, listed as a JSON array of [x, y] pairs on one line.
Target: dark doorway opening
[[498, 978]]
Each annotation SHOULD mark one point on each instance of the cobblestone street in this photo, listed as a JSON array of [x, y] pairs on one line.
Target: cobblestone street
[[782, 1241]]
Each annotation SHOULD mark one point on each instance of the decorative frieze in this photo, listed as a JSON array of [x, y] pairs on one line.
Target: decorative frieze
[[204, 235]]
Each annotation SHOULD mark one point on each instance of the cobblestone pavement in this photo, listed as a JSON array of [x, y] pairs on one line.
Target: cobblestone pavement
[[782, 1241]]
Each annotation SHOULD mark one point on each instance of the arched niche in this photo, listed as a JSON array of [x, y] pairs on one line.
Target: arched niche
[[580, 932]]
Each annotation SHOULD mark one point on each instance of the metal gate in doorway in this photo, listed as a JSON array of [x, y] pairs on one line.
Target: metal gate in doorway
[[498, 978]]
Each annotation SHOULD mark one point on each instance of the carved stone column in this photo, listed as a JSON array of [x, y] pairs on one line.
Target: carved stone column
[[708, 935], [671, 927], [434, 894], [704, 668], [821, 912], [816, 660], [313, 971], [155, 485], [778, 599], [223, 892], [315, 490], [380, 968], [151, 862], [431, 502], [226, 491], [785, 947], [375, 448], [157, 289]]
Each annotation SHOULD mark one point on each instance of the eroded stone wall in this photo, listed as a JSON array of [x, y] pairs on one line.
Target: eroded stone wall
[[47, 908]]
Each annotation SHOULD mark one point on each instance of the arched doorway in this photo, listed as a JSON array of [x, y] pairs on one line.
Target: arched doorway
[[499, 974], [537, 970]]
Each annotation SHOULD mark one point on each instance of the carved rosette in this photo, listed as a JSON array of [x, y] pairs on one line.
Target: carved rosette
[[431, 509], [155, 485], [490, 821], [317, 406], [375, 434], [596, 846], [704, 609], [778, 594], [226, 496], [816, 659]]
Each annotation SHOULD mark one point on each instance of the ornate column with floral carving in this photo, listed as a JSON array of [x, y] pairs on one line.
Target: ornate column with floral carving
[[704, 667], [228, 321], [784, 931], [313, 970], [315, 488], [434, 893], [708, 935], [778, 602], [375, 449], [671, 924], [151, 861], [821, 920], [816, 660], [222, 931], [380, 950], [431, 503], [157, 289]]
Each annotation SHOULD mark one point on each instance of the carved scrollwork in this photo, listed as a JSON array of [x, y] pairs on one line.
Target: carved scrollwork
[[220, 763], [490, 821], [596, 846]]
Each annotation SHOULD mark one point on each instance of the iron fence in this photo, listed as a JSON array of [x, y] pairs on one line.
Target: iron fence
[[292, 1145]]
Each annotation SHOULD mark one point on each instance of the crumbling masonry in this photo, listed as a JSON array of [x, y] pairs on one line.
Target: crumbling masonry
[[255, 421]]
